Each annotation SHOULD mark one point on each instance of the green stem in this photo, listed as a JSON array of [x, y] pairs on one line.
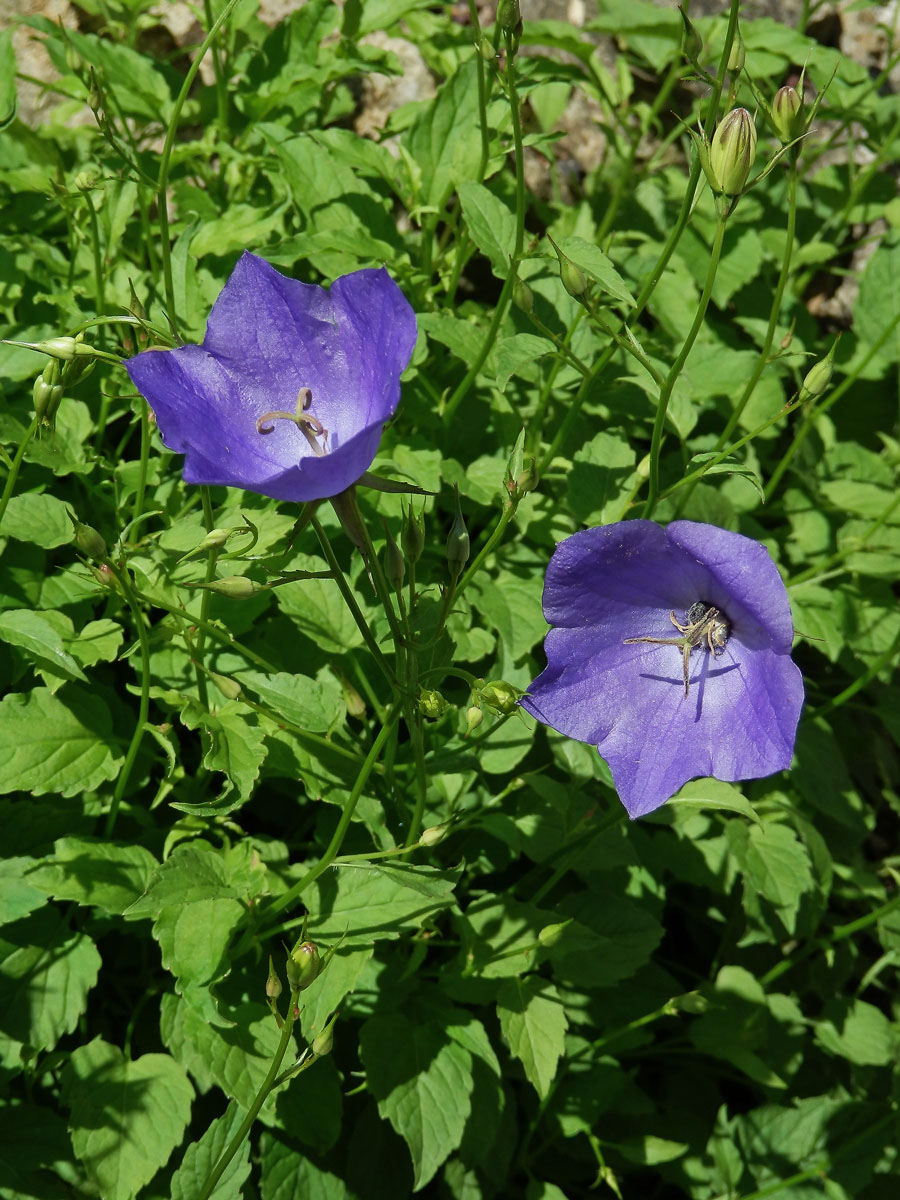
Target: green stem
[[665, 394], [10, 486], [858, 684], [506, 516], [417, 737], [144, 463], [121, 574], [166, 157], [99, 291], [219, 71], [205, 594], [334, 846], [214, 631], [853, 548], [482, 94], [259, 1100], [350, 600]]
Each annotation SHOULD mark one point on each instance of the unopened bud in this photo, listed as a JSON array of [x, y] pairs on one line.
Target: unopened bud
[[551, 934], [457, 543], [87, 539], [48, 392], [238, 587], [323, 1042], [572, 277], [230, 688], [509, 17], [818, 377], [303, 966], [691, 41], [500, 696], [412, 536], [73, 59], [353, 701], [732, 152], [527, 479], [273, 983], [486, 50], [432, 704], [738, 54], [434, 834], [394, 563], [523, 296], [788, 116], [474, 717], [84, 181]]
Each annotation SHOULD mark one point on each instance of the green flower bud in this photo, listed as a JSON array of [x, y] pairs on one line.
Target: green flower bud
[[48, 392], [691, 41], [474, 717], [818, 377], [87, 539], [353, 701], [412, 536], [230, 688], [273, 983], [84, 181], [509, 17], [394, 563], [732, 152], [551, 934], [788, 114], [323, 1042], [457, 543], [486, 50], [73, 59], [432, 704], [526, 480], [501, 697], [303, 966], [238, 587], [523, 296], [738, 54], [572, 277], [434, 834]]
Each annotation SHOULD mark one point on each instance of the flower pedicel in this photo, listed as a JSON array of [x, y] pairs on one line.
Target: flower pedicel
[[722, 699]]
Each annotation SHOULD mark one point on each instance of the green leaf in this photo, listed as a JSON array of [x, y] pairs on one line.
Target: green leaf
[[511, 604], [194, 871], [99, 641], [491, 225], [46, 972], [602, 479], [443, 141], [774, 863], [125, 1116], [18, 895], [373, 903], [8, 95], [312, 704], [517, 355], [55, 745], [591, 259], [105, 875], [859, 1032], [42, 519], [33, 1140], [422, 1083], [235, 746], [289, 1175], [200, 1158], [317, 608], [728, 466], [714, 794], [40, 637], [533, 1021]]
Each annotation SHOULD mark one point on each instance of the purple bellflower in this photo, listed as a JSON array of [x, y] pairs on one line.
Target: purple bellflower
[[290, 389], [670, 652]]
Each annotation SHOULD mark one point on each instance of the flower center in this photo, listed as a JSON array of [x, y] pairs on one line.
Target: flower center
[[705, 624], [311, 427]]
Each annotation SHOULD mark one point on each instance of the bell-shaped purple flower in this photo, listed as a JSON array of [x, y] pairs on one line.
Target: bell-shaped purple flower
[[670, 652], [288, 394]]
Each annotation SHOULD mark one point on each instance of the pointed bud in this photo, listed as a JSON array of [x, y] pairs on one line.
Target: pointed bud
[[486, 50], [273, 983], [434, 834], [230, 688], [572, 277], [347, 509], [84, 181], [87, 539], [353, 701], [551, 934], [48, 393], [523, 296], [474, 717], [818, 377], [500, 696], [732, 152], [788, 114], [238, 587], [412, 535], [303, 966], [214, 540], [509, 17], [691, 41], [323, 1042], [394, 564], [738, 55], [457, 543]]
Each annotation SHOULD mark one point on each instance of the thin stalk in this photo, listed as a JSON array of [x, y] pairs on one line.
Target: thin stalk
[[214, 631], [10, 486], [665, 394], [259, 1100], [858, 684], [855, 547], [144, 463], [350, 600], [99, 290], [205, 594], [128, 592], [166, 157], [506, 516], [219, 71], [334, 846], [482, 94]]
